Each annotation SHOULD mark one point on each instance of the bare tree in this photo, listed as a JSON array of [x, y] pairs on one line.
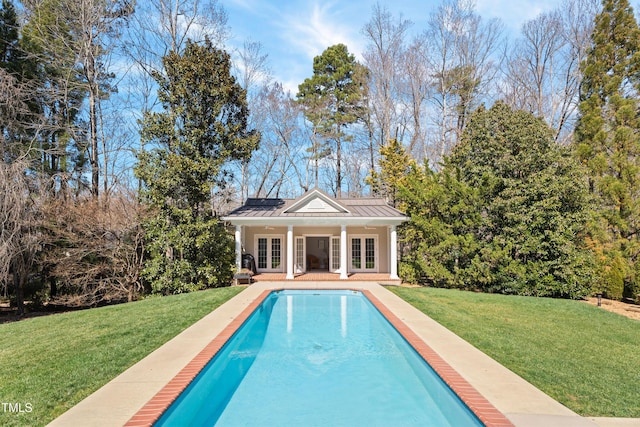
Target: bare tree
[[543, 70], [280, 166], [252, 65], [253, 74], [162, 26], [462, 50], [15, 115], [416, 88], [383, 57], [73, 41], [96, 22], [93, 255], [19, 238]]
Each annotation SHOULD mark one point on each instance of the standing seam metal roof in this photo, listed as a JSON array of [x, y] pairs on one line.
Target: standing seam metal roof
[[273, 207]]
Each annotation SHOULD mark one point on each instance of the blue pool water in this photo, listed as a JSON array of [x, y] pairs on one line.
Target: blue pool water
[[317, 358]]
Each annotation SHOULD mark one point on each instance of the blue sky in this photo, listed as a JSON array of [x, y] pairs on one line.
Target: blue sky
[[292, 32]]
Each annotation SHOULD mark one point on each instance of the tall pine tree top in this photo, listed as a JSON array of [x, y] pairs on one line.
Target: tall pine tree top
[[609, 94], [607, 140]]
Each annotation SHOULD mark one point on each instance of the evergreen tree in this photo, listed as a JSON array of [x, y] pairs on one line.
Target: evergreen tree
[[506, 213], [441, 248], [8, 79], [19, 109], [333, 99], [8, 35], [607, 142], [203, 126], [48, 40], [395, 165], [534, 206]]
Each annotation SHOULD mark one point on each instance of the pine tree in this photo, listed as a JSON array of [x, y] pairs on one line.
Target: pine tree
[[48, 41], [333, 99], [8, 35], [202, 127], [607, 142], [9, 57]]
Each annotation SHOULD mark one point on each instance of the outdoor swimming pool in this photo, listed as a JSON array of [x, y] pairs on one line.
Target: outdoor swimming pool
[[317, 358]]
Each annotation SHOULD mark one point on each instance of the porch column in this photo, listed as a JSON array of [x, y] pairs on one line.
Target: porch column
[[290, 253], [238, 248], [393, 271], [343, 252]]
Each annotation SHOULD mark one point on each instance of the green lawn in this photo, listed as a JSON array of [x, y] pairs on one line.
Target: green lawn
[[584, 357], [48, 364]]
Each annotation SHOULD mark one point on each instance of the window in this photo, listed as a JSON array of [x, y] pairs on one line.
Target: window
[[275, 253], [269, 253], [356, 254], [300, 251], [363, 253], [262, 252], [335, 254], [369, 253]]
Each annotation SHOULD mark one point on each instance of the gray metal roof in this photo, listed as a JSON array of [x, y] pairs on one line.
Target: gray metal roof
[[277, 208], [356, 207]]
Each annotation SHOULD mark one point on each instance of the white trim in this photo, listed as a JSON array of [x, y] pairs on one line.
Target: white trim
[[289, 261], [376, 251], [393, 253], [343, 252], [238, 246], [320, 221], [300, 267], [269, 255], [316, 194], [333, 239]]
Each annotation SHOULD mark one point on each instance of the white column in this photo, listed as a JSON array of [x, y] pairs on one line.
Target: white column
[[393, 246], [343, 252], [238, 247], [290, 253]]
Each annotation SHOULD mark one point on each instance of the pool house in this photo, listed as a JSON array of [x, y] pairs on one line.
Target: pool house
[[318, 233]]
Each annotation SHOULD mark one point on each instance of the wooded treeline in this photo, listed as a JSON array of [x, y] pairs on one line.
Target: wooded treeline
[[127, 129]]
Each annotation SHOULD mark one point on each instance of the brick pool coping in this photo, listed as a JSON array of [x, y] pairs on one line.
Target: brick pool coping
[[159, 403]]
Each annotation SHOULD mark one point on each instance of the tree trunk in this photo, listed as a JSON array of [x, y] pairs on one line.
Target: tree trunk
[[93, 134], [338, 166], [18, 282]]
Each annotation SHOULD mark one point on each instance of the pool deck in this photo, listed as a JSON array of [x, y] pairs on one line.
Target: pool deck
[[520, 402]]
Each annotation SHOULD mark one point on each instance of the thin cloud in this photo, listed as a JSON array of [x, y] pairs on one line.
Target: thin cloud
[[312, 29], [513, 13]]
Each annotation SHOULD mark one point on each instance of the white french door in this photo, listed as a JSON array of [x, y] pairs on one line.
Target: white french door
[[269, 250], [300, 255], [363, 253], [334, 254]]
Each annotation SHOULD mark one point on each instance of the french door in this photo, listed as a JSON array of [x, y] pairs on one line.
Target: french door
[[363, 253], [300, 255], [269, 250], [334, 254]]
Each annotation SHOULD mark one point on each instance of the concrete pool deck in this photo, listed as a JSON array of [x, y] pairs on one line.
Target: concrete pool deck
[[523, 404]]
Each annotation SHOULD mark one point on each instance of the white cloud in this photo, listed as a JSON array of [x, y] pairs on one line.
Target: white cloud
[[513, 13], [311, 28]]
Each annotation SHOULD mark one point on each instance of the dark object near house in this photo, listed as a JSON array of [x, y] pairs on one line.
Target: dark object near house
[[249, 263]]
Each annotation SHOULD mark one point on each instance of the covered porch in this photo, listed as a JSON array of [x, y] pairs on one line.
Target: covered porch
[[381, 278], [317, 237]]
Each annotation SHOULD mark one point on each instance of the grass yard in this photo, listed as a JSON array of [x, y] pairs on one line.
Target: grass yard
[[48, 364], [584, 357]]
